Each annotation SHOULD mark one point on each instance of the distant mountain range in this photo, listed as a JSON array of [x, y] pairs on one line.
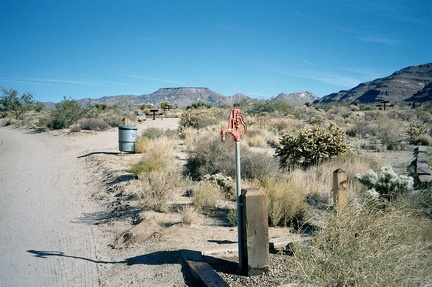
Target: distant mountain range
[[186, 96], [411, 84]]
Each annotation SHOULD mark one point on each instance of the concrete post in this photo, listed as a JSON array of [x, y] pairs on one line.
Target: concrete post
[[340, 186], [255, 232]]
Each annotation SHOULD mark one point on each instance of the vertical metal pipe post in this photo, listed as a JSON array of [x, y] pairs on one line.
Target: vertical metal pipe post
[[239, 211], [235, 119]]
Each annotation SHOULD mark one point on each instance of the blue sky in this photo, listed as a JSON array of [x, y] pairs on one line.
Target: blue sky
[[81, 48]]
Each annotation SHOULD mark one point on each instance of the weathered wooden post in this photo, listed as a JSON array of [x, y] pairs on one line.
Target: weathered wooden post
[[340, 186], [255, 231], [233, 128]]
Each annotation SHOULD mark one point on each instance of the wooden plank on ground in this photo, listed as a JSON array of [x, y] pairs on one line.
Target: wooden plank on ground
[[202, 270]]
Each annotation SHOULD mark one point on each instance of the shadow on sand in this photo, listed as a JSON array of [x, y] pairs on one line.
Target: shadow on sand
[[154, 258]]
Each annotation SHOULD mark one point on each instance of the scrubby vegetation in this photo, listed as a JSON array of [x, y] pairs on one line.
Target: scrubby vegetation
[[383, 237]]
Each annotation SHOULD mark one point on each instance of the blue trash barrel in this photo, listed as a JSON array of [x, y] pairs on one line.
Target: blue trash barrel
[[127, 138]]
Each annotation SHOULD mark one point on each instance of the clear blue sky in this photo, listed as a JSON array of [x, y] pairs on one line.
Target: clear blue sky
[[94, 48]]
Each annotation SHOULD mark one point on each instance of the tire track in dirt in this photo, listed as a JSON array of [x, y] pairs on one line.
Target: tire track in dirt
[[41, 244]]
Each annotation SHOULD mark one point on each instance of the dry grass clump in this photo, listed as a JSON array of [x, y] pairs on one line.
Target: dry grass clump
[[142, 144], [158, 188], [286, 201], [316, 182], [188, 214], [160, 177], [367, 247], [150, 134], [206, 196]]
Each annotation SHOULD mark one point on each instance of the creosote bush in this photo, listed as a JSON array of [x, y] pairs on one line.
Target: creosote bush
[[66, 113], [311, 146]]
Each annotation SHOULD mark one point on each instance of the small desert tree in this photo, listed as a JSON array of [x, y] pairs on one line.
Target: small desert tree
[[12, 103], [311, 145]]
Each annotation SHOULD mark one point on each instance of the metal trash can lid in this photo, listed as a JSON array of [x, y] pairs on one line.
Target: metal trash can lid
[[127, 128]]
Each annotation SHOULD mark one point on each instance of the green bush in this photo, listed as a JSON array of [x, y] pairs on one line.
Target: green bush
[[66, 113], [311, 146], [146, 166], [15, 105], [269, 106]]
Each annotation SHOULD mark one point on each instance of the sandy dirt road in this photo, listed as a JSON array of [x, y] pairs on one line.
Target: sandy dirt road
[[48, 232], [43, 191]]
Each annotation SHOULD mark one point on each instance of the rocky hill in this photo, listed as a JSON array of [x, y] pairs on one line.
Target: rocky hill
[[296, 99], [412, 84]]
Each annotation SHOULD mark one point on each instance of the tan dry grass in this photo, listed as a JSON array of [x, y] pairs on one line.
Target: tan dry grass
[[367, 247], [206, 196]]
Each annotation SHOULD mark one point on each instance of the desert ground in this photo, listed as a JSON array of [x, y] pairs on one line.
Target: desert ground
[[65, 219]]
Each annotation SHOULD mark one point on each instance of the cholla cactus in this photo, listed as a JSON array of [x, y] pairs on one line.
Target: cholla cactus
[[312, 145], [225, 182], [416, 129], [386, 183]]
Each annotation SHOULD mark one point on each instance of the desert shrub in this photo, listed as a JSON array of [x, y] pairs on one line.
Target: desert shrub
[[303, 113], [206, 196], [386, 184], [316, 120], [269, 106], [255, 138], [15, 105], [423, 139], [152, 133], [158, 188], [232, 217], [188, 214], [142, 144], [198, 118], [65, 113], [226, 184], [389, 131], [159, 176], [93, 124], [311, 146], [212, 156], [286, 202], [146, 166], [201, 104], [416, 128], [366, 247]]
